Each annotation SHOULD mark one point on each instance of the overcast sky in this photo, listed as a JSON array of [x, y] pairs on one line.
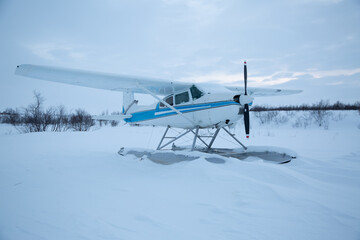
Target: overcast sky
[[313, 45]]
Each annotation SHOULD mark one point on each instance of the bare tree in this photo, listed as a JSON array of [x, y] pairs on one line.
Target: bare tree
[[33, 115]]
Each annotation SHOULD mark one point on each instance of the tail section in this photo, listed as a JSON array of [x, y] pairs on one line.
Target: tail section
[[128, 101]]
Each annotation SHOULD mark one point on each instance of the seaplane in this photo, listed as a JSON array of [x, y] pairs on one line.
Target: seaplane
[[185, 105]]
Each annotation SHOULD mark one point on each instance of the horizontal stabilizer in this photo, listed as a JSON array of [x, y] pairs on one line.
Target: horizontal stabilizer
[[112, 117]]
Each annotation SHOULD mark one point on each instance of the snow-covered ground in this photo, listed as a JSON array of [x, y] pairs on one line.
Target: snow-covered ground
[[74, 185]]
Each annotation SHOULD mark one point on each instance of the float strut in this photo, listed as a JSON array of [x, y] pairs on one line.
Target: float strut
[[213, 138], [173, 139], [162, 139], [232, 135], [195, 137]]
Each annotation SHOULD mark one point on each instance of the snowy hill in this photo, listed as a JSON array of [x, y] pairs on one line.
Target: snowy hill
[[74, 185]]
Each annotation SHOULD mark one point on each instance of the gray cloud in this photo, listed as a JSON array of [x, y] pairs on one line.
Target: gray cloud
[[181, 40]]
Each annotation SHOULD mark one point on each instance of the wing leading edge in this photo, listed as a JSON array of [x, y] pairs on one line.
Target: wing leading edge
[[111, 82]]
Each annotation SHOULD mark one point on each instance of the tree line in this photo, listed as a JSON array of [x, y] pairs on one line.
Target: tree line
[[322, 105], [35, 118]]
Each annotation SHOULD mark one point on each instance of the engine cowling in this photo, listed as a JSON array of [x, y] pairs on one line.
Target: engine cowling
[[243, 99]]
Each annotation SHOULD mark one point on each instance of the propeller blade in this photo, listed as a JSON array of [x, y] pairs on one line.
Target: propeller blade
[[246, 106], [247, 120], [245, 77]]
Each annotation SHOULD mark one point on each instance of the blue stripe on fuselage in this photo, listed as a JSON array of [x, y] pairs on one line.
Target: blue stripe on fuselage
[[164, 112]]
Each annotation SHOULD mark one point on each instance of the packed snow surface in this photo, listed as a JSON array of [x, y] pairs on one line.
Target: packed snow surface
[[75, 185]]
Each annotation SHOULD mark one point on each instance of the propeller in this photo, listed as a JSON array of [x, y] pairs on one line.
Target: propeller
[[246, 106]]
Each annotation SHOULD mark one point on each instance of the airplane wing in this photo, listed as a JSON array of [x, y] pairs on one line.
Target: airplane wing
[[100, 80], [263, 92], [123, 83]]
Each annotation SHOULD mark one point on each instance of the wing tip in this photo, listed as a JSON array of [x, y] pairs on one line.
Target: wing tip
[[18, 69], [21, 68]]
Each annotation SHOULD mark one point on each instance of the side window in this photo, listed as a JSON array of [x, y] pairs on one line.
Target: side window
[[169, 100], [182, 98], [195, 92]]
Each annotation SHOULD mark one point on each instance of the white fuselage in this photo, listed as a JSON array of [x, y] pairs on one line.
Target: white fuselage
[[216, 107]]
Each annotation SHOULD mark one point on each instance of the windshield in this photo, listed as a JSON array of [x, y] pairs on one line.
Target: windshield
[[182, 98], [169, 100], [195, 92]]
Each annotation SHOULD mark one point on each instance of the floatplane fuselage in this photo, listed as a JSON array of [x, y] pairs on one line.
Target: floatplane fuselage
[[201, 105]]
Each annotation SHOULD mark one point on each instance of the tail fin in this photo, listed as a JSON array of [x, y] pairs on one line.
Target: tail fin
[[128, 101]]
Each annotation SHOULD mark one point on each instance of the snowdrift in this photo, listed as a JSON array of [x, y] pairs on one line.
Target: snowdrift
[[74, 185]]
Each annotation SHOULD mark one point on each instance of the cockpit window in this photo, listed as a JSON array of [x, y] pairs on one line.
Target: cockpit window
[[169, 100], [195, 92], [182, 98]]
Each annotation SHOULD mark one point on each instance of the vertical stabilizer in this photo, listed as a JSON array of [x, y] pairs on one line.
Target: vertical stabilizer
[[128, 100]]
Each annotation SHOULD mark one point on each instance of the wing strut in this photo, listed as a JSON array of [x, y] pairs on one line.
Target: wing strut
[[166, 104]]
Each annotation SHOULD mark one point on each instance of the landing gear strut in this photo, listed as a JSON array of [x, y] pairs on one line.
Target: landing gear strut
[[195, 131]]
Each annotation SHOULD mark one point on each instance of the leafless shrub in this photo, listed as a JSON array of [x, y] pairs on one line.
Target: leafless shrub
[[60, 119], [357, 104], [338, 116], [11, 116], [35, 119], [115, 123], [305, 107], [321, 115], [290, 114], [321, 118], [281, 119], [259, 116], [266, 117], [81, 120], [38, 120], [303, 121], [103, 122]]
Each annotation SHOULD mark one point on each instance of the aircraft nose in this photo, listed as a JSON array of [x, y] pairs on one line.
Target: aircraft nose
[[243, 99]]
